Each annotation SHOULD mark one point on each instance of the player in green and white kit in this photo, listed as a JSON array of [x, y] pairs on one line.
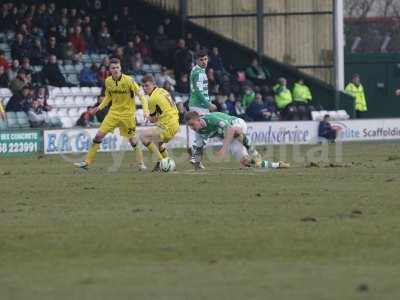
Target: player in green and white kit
[[232, 131], [199, 99]]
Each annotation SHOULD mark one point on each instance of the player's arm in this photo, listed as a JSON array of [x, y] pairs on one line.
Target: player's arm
[[2, 113], [104, 103], [230, 134], [138, 91], [152, 114]]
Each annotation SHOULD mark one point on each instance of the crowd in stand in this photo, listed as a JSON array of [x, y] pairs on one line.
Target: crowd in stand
[[49, 36]]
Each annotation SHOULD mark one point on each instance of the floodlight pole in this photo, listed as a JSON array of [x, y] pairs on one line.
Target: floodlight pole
[[260, 28], [338, 48], [183, 15]]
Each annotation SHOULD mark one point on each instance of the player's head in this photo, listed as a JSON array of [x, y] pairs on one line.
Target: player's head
[[149, 84], [115, 67], [356, 78], [192, 119], [202, 59]]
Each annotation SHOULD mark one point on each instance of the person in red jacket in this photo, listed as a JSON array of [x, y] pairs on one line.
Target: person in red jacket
[[77, 40]]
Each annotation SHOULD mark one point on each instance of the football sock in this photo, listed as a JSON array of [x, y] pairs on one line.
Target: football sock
[[139, 153], [153, 149], [91, 155], [164, 152]]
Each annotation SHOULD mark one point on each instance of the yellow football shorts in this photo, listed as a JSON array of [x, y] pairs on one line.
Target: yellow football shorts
[[126, 125], [167, 131]]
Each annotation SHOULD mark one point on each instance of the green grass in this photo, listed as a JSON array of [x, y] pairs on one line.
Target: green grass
[[316, 231]]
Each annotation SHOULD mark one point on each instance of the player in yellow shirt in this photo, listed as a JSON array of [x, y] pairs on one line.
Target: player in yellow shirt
[[120, 90], [164, 114]]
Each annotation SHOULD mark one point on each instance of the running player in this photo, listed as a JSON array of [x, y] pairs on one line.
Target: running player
[[120, 91]]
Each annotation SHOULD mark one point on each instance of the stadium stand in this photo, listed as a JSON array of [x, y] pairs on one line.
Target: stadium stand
[[140, 51]]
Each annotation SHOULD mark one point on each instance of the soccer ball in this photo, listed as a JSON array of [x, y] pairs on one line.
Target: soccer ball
[[167, 165]]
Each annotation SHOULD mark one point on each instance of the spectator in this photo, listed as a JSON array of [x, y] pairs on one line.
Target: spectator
[[325, 130], [42, 94], [161, 46], [356, 90], [102, 74], [213, 86], [191, 42], [13, 71], [142, 48], [52, 75], [164, 77], [86, 119], [89, 39], [219, 102], [53, 48], [182, 59], [183, 85], [135, 65], [77, 40], [169, 30], [101, 114], [129, 51], [4, 81], [3, 61], [284, 100], [68, 51], [88, 76], [302, 98], [216, 61], [230, 104], [37, 115], [38, 53], [19, 82], [26, 65], [19, 101], [104, 40], [19, 47], [257, 73], [257, 110], [169, 87], [240, 112], [63, 30], [248, 97]]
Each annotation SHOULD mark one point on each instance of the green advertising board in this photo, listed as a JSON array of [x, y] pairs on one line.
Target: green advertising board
[[20, 142]]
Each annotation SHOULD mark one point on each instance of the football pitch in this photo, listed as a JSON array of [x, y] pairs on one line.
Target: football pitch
[[320, 230]]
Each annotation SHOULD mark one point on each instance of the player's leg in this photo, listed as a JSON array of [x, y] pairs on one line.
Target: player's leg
[[240, 152], [127, 128], [246, 141], [108, 125], [94, 147], [150, 137], [198, 143]]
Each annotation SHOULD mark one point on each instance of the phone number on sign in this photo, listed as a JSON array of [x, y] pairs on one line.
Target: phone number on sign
[[18, 147]]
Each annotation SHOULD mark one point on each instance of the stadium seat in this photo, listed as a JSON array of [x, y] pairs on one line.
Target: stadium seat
[[78, 68], [37, 68], [75, 91], [89, 101], [73, 78], [69, 69], [62, 112], [54, 92], [156, 68], [59, 101], [12, 121], [22, 119], [6, 93], [95, 91], [69, 101], [315, 115], [85, 91], [81, 111], [343, 115], [79, 101], [95, 58], [140, 116], [73, 112], [86, 58], [66, 122], [65, 91], [146, 68]]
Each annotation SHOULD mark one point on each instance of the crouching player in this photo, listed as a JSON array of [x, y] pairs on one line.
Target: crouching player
[[164, 113], [232, 131], [120, 90]]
